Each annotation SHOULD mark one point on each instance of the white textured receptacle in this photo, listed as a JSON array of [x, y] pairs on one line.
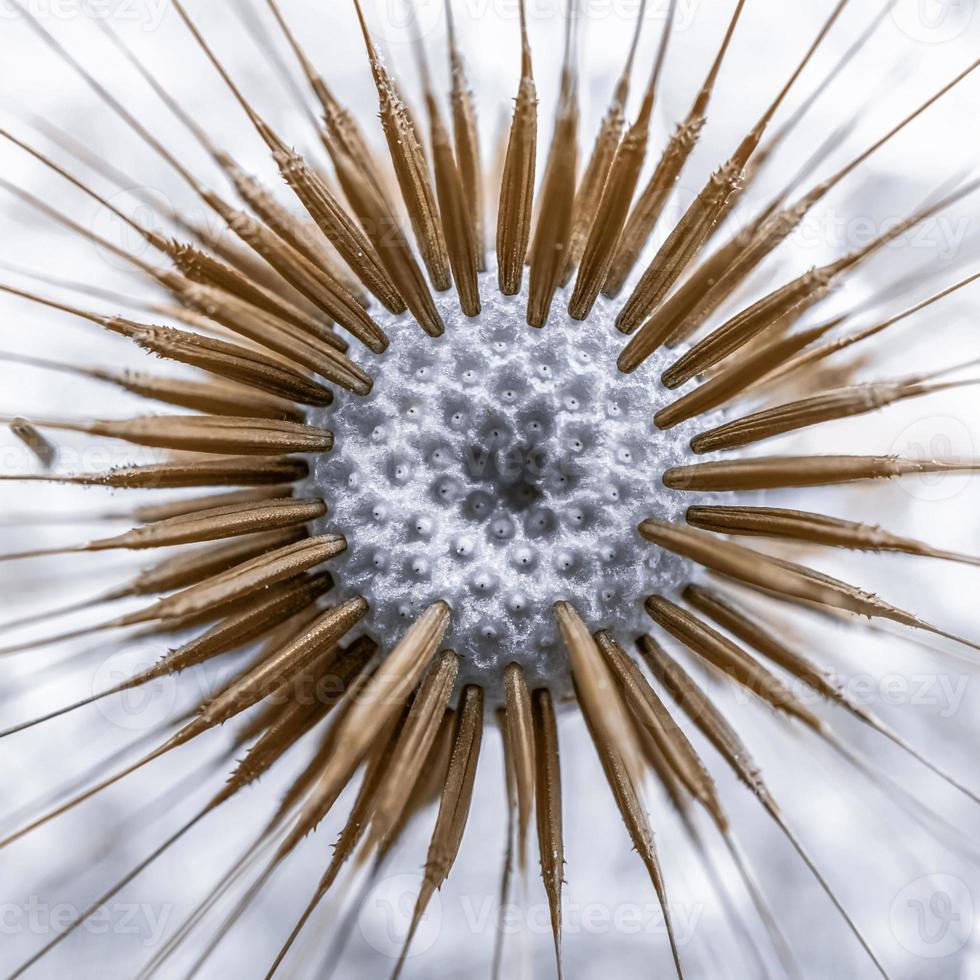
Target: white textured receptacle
[[502, 468]]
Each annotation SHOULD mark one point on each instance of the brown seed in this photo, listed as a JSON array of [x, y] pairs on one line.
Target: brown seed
[[416, 739], [825, 407], [650, 204], [604, 711], [212, 524], [457, 214], [552, 235], [410, 166], [617, 195], [842, 343], [777, 577], [26, 432], [517, 180], [768, 234], [797, 525], [651, 716], [344, 131], [793, 298], [207, 433], [703, 713], [519, 725], [774, 472], [729, 658], [467, 140], [733, 619], [547, 788], [382, 697], [709, 209], [737, 377], [454, 807], [603, 153]]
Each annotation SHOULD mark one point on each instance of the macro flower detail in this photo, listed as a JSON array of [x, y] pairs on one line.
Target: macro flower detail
[[445, 450], [499, 467]]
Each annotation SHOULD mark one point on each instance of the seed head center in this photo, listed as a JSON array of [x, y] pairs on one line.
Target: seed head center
[[503, 468]]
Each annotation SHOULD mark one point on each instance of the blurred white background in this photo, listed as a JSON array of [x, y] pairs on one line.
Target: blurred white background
[[883, 866]]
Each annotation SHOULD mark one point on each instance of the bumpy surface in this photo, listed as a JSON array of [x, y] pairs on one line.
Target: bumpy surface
[[503, 468]]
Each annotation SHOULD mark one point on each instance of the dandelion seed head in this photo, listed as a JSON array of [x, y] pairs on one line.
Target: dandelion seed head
[[500, 467]]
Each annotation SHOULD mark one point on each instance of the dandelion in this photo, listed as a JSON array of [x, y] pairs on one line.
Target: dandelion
[[435, 492]]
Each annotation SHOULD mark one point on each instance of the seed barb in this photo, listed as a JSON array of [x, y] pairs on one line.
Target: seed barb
[[617, 195], [457, 216], [206, 433], [207, 525], [344, 131], [365, 189], [519, 724], [467, 139], [549, 249], [729, 658], [652, 717], [604, 711], [823, 351], [781, 578], [709, 209], [702, 712], [735, 379], [410, 166], [601, 158], [517, 180], [827, 406], [369, 711], [766, 235], [674, 320], [548, 810], [650, 204], [417, 737], [233, 362], [749, 630], [245, 471], [238, 629], [454, 808], [779, 472], [374, 775], [317, 284], [797, 525], [787, 303]]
